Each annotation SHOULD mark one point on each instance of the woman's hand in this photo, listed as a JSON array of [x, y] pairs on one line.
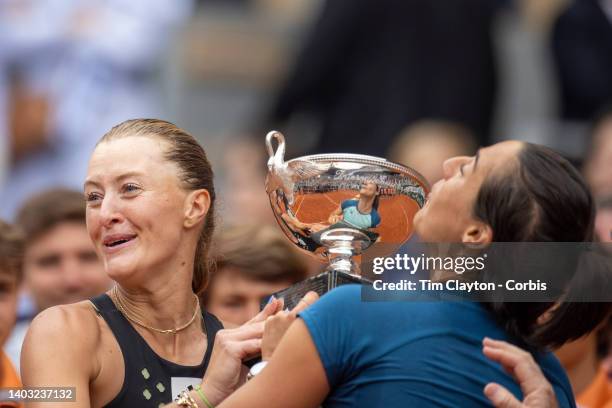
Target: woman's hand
[[334, 218], [302, 227], [277, 325], [520, 364], [225, 372], [316, 227]]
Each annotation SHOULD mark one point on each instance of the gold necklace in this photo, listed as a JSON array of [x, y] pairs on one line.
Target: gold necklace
[[122, 309]]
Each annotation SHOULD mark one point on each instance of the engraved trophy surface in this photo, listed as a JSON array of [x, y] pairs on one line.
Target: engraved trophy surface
[[336, 206]]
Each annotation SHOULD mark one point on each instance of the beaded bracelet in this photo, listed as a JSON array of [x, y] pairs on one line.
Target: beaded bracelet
[[198, 390], [186, 400]]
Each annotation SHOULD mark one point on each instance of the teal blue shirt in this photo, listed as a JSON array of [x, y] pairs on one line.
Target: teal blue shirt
[[412, 354], [352, 215]]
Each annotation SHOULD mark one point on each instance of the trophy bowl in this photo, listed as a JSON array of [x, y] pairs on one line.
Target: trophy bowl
[[336, 206]]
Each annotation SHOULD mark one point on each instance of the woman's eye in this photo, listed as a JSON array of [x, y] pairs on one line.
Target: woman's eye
[[93, 197], [130, 188], [233, 304]]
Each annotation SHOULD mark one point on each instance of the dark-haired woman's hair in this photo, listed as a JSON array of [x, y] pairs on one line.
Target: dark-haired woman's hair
[[543, 199], [195, 174], [604, 339], [376, 201]]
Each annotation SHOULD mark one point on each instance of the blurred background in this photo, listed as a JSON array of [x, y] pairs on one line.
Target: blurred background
[[413, 80]]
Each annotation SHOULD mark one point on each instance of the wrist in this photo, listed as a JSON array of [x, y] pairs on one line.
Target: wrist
[[214, 395], [265, 354], [193, 394]]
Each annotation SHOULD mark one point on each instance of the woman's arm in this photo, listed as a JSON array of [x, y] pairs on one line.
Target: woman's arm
[[294, 378], [58, 351], [335, 216]]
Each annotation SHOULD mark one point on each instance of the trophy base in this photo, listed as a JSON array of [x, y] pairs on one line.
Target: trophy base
[[320, 284]]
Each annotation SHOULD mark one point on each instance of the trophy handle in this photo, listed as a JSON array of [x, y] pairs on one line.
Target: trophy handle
[[275, 157]]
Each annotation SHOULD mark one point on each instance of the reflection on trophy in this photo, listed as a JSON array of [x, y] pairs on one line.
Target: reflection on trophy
[[336, 206]]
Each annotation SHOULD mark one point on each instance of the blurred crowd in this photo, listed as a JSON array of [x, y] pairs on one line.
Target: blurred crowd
[[416, 81], [335, 76]]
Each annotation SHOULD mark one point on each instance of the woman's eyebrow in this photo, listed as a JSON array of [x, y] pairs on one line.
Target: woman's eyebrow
[[129, 174], [90, 183], [121, 177]]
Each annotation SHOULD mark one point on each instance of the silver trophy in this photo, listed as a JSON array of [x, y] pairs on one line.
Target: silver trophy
[[336, 206]]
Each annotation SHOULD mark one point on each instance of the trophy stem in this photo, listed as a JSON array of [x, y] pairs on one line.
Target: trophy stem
[[342, 245], [340, 257]]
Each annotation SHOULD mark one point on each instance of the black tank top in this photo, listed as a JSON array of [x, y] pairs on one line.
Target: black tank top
[[150, 381]]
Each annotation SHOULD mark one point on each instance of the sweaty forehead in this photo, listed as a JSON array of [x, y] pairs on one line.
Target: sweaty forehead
[[143, 154], [132, 147]]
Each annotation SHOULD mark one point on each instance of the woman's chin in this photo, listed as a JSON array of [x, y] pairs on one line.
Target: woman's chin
[[118, 269]]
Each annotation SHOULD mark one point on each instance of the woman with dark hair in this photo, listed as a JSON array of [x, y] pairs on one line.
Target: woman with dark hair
[[150, 200], [345, 352], [362, 211]]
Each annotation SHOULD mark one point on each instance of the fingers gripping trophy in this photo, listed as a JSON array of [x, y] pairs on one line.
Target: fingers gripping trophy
[[337, 206]]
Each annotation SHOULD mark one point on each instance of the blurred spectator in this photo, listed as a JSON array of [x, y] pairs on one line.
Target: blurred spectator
[[369, 68], [425, 146], [598, 162], [582, 46], [11, 252], [603, 219], [76, 67], [4, 140], [591, 379], [243, 174], [253, 261], [582, 359], [60, 264]]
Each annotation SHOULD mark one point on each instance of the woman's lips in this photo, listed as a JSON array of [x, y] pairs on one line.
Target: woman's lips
[[114, 245], [433, 191]]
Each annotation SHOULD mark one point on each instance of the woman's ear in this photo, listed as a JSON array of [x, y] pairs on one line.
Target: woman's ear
[[478, 233], [197, 205]]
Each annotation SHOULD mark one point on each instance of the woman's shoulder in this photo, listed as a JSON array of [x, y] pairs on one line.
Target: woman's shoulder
[[422, 311], [349, 203], [66, 336], [334, 303], [73, 324], [352, 295], [342, 294]]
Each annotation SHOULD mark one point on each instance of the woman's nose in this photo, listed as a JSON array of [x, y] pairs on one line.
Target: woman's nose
[[109, 211], [450, 167]]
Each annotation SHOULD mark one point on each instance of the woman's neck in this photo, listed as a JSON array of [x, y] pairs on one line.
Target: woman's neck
[[165, 300], [365, 205], [581, 374], [164, 309]]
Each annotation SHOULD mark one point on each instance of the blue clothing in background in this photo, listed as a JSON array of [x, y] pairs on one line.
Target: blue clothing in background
[[412, 354]]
